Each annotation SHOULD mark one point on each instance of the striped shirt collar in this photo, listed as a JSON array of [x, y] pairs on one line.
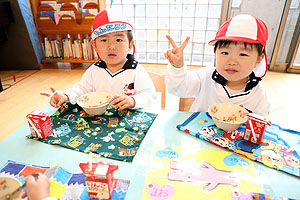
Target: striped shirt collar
[[251, 83]]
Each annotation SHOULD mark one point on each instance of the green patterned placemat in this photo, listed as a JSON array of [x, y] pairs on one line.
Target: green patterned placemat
[[115, 134]]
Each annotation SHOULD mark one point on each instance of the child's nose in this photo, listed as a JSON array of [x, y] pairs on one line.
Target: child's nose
[[111, 45], [232, 60]]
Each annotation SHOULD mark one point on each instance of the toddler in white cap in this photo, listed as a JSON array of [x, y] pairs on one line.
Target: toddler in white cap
[[117, 72], [240, 63]]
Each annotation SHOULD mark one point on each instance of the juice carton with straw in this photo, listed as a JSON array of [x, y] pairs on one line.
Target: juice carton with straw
[[255, 128], [39, 123], [99, 179]]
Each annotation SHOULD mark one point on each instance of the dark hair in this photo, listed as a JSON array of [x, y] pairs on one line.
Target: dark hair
[[129, 35], [226, 43]]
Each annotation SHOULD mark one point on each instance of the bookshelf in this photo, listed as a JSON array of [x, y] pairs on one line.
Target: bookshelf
[[64, 28]]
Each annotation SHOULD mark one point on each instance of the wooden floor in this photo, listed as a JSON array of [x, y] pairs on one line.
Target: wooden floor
[[23, 96]]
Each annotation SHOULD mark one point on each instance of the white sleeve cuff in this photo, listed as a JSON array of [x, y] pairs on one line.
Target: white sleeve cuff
[[173, 69], [50, 198]]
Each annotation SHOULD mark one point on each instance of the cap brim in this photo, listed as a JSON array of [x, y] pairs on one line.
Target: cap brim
[[235, 39]]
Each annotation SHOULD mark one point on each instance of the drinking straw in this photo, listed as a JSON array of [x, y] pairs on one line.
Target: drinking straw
[[252, 130], [91, 155]]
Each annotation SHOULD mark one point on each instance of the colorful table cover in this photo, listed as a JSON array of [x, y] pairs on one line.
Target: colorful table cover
[[180, 173], [115, 134], [280, 148], [64, 184]]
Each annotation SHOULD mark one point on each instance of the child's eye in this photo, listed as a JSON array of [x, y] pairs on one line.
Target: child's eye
[[103, 40], [119, 40], [243, 54], [224, 53]]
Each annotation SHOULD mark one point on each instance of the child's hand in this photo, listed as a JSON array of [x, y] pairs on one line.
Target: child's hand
[[175, 55], [57, 98], [123, 101], [37, 188]]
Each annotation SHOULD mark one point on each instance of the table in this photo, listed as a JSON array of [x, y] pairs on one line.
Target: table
[[162, 132]]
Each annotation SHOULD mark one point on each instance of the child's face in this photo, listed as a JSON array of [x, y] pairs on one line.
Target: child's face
[[235, 62], [113, 48]]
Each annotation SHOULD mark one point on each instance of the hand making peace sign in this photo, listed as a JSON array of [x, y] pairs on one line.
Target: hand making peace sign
[[175, 55]]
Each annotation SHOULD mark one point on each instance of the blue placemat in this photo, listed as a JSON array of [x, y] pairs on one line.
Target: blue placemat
[[280, 148]]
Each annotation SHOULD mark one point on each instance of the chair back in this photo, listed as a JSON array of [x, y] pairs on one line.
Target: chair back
[[160, 86], [185, 104]]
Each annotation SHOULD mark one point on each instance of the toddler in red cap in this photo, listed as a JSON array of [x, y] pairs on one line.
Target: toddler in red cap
[[240, 63], [117, 71]]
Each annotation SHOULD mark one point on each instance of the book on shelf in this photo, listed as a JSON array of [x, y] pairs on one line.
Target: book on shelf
[[71, 53], [87, 52], [84, 50], [53, 49], [74, 51], [65, 49], [77, 49], [47, 51], [90, 52], [58, 49]]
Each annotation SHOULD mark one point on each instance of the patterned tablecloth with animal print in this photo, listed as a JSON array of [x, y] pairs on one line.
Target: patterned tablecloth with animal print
[[115, 134], [280, 148]]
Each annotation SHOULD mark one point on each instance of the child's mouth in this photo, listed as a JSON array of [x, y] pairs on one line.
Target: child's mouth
[[111, 55], [231, 71]]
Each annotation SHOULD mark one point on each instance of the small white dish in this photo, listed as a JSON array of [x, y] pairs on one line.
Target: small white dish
[[227, 116], [94, 103]]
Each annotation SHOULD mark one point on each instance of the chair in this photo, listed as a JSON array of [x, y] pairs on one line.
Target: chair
[[185, 104], [160, 86]]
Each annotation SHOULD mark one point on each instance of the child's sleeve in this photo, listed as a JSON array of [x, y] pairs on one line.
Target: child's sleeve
[[85, 85], [144, 90], [182, 82]]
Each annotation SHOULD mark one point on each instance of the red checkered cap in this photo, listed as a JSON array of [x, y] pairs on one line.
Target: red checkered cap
[[245, 28], [109, 20]]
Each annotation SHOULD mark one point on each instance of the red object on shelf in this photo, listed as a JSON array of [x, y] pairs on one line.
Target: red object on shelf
[[257, 124]]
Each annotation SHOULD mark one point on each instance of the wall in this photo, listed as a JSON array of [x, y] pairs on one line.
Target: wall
[[270, 11], [22, 49]]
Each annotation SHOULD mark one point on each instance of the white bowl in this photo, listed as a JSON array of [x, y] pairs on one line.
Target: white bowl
[[94, 103], [227, 116], [9, 185]]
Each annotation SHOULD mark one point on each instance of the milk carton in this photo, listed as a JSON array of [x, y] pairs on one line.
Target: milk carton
[[255, 128], [39, 123], [99, 179]]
